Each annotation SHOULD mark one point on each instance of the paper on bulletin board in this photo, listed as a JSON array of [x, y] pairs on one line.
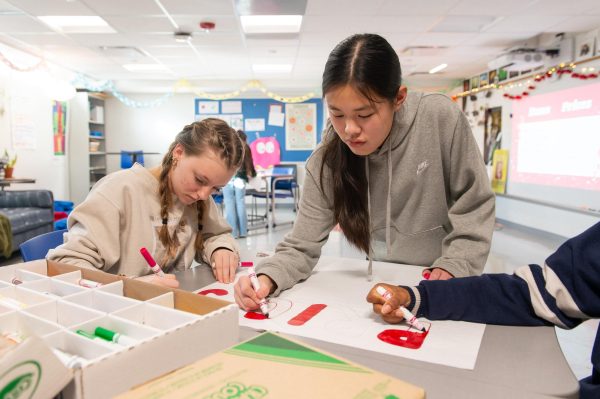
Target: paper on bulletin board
[[301, 126], [276, 119], [254, 125], [208, 107], [231, 107], [236, 121], [347, 319]]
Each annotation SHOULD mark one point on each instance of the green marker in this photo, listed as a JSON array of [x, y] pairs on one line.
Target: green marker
[[115, 337], [86, 334]]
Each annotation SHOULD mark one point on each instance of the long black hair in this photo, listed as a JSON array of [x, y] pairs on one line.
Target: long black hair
[[369, 64]]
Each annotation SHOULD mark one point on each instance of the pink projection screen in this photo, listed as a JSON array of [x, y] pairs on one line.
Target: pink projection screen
[[556, 140]]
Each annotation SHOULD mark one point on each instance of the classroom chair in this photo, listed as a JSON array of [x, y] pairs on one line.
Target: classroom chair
[[37, 247], [128, 158], [283, 187]]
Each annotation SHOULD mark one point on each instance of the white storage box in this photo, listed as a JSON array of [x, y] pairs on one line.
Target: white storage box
[[168, 328]]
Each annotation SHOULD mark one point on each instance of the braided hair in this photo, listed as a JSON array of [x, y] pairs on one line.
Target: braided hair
[[195, 138]]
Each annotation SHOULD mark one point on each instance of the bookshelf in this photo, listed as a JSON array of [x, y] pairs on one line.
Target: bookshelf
[[87, 144]]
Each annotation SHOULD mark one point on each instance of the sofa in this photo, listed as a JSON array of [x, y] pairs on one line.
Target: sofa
[[24, 214]]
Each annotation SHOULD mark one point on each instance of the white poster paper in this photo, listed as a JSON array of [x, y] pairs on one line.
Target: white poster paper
[[22, 122], [276, 119], [208, 107], [301, 127], [254, 125], [231, 107], [347, 319]]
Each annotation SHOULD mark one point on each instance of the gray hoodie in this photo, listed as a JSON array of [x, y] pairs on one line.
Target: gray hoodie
[[432, 207]]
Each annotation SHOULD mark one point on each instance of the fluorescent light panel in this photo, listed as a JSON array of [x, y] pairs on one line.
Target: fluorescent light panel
[[77, 23], [145, 67], [272, 68], [271, 23], [438, 68]]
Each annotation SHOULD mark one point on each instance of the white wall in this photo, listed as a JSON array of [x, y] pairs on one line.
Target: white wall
[[547, 218], [39, 163], [147, 129]]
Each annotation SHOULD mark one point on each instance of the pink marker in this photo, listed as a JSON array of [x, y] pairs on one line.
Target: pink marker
[[151, 262], [264, 307], [409, 317], [89, 283], [246, 264]]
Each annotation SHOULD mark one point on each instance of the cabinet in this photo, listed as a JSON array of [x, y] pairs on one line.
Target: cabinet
[[87, 144]]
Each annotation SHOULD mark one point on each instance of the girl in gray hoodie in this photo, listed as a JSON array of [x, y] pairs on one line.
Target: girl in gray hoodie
[[400, 172]]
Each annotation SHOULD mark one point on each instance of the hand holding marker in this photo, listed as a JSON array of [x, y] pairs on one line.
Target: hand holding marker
[[151, 262], [264, 308], [409, 317]]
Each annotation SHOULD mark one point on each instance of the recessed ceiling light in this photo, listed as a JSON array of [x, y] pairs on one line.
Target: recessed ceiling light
[[145, 67], [271, 23], [77, 24], [438, 68], [272, 68]]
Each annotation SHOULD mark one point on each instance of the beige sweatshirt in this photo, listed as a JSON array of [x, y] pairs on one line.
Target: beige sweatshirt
[[122, 214]]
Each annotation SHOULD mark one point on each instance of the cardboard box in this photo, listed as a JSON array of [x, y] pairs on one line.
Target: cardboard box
[[274, 366], [170, 327]]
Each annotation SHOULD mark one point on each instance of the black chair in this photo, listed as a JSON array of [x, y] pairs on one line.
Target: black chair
[[282, 184]]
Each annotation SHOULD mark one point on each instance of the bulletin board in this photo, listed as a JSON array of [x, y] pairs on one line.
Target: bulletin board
[[266, 117]]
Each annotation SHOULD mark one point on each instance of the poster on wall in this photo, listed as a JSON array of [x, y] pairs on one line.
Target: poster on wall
[[22, 123], [300, 127], [59, 126], [207, 107], [254, 125], [492, 133], [499, 171], [584, 45], [231, 107], [236, 121]]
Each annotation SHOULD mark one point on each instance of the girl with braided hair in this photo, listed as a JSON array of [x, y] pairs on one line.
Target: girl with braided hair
[[168, 209]]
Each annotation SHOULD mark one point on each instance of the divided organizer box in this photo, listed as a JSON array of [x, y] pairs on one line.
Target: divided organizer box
[[170, 328]]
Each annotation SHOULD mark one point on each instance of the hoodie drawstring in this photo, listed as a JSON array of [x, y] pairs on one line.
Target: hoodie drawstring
[[388, 211], [370, 255]]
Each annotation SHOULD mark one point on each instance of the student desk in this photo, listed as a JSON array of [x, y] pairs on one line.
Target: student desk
[[513, 362]]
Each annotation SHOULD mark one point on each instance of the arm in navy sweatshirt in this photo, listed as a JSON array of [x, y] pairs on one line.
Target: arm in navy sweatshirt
[[564, 291]]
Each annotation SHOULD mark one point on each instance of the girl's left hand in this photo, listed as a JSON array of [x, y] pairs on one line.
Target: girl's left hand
[[224, 264]]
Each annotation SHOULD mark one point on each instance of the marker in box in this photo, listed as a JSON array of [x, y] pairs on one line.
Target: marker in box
[[89, 283], [69, 360], [15, 337], [115, 337], [12, 303]]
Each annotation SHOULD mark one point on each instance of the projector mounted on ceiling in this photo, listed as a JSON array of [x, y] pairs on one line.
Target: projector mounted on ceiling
[[521, 59]]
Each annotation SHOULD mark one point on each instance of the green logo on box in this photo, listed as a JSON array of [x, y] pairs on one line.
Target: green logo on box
[[20, 381]]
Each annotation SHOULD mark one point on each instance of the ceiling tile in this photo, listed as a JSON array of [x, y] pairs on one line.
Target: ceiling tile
[[197, 7], [21, 24], [132, 8], [53, 7], [342, 8], [129, 24]]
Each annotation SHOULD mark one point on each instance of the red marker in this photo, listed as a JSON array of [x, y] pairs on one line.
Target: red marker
[[151, 262], [409, 317], [246, 264]]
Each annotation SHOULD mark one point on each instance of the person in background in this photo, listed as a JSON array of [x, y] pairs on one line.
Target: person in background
[[167, 209], [400, 172], [234, 193], [564, 291]]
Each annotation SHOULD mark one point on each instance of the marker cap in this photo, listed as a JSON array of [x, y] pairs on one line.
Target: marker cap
[[105, 334], [147, 256]]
